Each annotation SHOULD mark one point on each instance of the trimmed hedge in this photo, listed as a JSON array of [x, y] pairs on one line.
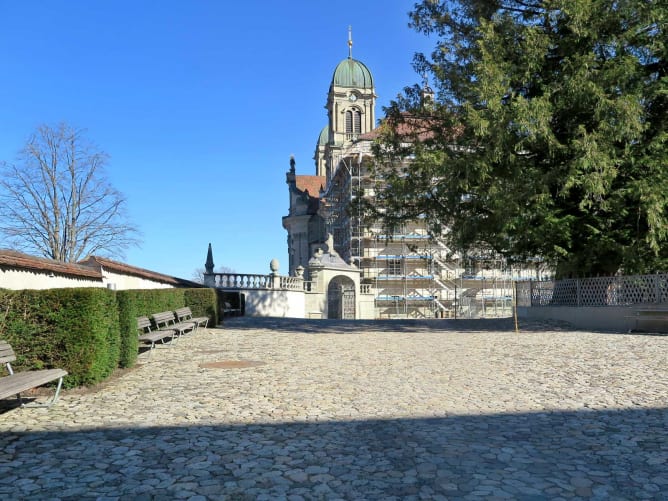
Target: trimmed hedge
[[203, 303], [73, 329], [143, 302], [87, 331], [136, 303]]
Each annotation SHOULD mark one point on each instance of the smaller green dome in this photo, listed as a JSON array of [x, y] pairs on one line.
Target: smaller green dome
[[352, 73], [323, 139]]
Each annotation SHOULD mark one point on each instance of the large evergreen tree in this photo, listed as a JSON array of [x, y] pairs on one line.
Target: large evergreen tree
[[547, 136]]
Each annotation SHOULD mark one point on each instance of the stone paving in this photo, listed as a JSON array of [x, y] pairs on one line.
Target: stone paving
[[358, 410]]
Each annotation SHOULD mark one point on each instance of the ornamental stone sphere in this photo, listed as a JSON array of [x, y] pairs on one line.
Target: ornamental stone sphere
[[273, 265]]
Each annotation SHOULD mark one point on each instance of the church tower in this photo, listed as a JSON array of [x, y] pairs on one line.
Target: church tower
[[350, 108], [351, 104]]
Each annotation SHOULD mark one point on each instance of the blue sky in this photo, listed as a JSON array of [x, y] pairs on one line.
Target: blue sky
[[198, 103]]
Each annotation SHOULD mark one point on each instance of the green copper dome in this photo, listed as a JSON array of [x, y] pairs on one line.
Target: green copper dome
[[352, 73], [323, 139]]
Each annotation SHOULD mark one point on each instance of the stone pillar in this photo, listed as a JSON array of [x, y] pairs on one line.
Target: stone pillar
[[275, 278], [315, 268]]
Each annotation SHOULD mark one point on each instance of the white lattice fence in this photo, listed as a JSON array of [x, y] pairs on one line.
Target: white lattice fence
[[600, 291]]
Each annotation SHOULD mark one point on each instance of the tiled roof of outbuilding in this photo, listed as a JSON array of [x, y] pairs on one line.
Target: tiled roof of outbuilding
[[14, 259], [122, 268], [89, 268]]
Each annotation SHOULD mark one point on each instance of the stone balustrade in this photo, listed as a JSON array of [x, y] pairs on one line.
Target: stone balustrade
[[252, 281], [269, 282], [291, 283], [242, 281]]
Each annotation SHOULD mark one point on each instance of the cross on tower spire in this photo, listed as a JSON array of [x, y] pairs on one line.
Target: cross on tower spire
[[350, 42]]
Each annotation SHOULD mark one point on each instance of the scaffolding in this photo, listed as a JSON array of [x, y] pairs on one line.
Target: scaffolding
[[401, 268], [413, 274]]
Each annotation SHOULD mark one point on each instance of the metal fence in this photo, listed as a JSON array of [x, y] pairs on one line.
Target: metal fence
[[600, 291]]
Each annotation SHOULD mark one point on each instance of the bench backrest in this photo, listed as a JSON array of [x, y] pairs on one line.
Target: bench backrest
[[143, 323], [163, 318], [183, 313], [6, 353]]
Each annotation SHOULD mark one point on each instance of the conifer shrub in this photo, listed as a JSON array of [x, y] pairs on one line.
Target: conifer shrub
[[74, 329], [145, 302], [137, 303], [203, 303], [87, 331]]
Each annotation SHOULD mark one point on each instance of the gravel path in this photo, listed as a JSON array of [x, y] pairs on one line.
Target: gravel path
[[293, 409]]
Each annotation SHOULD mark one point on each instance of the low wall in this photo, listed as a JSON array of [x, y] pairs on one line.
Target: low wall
[[604, 318], [367, 307], [28, 279], [315, 305], [124, 282], [274, 303]]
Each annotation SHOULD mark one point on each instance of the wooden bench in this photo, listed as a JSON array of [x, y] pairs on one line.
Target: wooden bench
[[186, 315], [148, 335], [18, 382], [651, 314], [167, 320]]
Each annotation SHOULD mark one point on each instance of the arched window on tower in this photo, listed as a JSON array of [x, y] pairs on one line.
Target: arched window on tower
[[357, 122], [353, 123]]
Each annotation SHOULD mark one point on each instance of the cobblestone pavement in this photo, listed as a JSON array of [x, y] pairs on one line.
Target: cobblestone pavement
[[358, 410]]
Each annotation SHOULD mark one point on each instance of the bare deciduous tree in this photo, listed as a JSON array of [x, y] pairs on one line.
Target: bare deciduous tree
[[57, 202]]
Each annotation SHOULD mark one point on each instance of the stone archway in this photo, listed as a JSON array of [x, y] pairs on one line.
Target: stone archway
[[341, 298]]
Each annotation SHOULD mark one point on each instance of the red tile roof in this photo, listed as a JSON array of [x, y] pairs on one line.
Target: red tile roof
[[410, 127], [371, 135], [402, 129], [88, 268], [122, 268], [312, 184], [14, 259]]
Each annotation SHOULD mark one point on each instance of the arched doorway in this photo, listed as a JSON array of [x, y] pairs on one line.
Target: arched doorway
[[341, 298]]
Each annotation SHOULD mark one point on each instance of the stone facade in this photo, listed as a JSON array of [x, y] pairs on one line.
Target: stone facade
[[351, 104], [408, 272]]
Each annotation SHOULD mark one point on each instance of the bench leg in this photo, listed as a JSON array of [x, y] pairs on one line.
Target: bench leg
[[154, 347], [49, 402]]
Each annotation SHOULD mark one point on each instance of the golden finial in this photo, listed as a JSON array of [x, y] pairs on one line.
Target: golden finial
[[350, 42]]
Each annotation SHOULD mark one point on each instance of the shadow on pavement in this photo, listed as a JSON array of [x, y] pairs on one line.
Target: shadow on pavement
[[352, 326], [599, 454]]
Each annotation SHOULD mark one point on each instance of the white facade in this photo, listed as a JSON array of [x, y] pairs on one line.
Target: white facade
[[119, 281], [332, 291], [18, 279], [274, 303], [21, 271]]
